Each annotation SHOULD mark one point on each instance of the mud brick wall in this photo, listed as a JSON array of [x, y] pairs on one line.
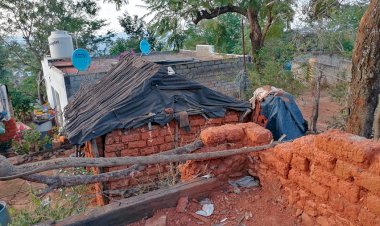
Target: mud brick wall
[[224, 138], [142, 142], [332, 178], [219, 75]]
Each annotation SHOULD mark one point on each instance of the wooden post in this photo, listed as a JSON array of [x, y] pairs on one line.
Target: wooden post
[[101, 186], [317, 96]]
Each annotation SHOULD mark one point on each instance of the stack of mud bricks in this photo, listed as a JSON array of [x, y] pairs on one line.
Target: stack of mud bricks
[[226, 137], [142, 142], [331, 178]]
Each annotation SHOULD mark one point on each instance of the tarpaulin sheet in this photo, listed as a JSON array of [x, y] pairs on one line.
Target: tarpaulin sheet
[[136, 92], [284, 116]]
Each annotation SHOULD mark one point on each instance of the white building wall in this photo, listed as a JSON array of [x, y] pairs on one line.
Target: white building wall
[[54, 78]]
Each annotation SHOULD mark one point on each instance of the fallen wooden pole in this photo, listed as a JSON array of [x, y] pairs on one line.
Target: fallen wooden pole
[[9, 171], [54, 182], [129, 210]]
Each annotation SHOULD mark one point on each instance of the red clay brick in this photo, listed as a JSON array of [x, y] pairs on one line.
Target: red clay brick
[[169, 138], [233, 132], [349, 190], [375, 165], [368, 218], [166, 146], [148, 150], [344, 170], [304, 181], [150, 134], [215, 121], [130, 137], [117, 139], [188, 138], [284, 152], [212, 136], [197, 122], [305, 146], [347, 146], [325, 159], [114, 147], [257, 135], [300, 163], [155, 141], [368, 180], [130, 152], [344, 207], [372, 202], [109, 139], [231, 118], [137, 144]]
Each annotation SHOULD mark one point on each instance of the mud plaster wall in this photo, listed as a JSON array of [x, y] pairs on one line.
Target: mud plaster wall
[[332, 178]]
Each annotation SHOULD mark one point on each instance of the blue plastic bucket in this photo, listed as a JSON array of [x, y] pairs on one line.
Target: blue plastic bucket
[[5, 219]]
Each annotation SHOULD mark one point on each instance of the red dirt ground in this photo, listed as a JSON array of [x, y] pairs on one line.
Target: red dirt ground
[[327, 108], [252, 206]]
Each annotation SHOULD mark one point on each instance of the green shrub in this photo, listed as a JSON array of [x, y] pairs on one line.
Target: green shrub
[[71, 201], [30, 142]]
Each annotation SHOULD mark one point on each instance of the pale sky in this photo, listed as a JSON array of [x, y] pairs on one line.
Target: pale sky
[[108, 11]]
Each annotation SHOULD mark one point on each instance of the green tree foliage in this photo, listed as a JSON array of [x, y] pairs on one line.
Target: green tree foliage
[[136, 29], [26, 24], [171, 17], [270, 70], [333, 30], [224, 32]]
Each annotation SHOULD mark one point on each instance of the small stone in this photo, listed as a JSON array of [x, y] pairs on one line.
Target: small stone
[[307, 220], [182, 204], [298, 212]]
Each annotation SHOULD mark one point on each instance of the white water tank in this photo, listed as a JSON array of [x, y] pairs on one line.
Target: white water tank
[[60, 45]]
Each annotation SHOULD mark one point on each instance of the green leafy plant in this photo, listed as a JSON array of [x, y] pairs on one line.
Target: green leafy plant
[[31, 142], [270, 70], [70, 201]]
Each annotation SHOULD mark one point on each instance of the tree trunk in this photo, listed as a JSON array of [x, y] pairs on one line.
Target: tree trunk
[[39, 81], [255, 32], [365, 83], [376, 123], [317, 96]]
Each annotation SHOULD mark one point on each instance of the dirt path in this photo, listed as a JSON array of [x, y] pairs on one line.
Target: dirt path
[[253, 206]]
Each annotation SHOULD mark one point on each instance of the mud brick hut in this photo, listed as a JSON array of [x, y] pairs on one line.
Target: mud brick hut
[[140, 109]]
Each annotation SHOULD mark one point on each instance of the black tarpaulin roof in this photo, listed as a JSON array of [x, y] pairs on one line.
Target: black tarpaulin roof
[[136, 92]]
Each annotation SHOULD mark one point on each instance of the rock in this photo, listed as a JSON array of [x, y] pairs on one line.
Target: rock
[[323, 221], [298, 212], [156, 220], [182, 204], [307, 220]]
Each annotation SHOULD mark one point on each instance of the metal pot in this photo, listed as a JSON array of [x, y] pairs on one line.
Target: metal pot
[[5, 219]]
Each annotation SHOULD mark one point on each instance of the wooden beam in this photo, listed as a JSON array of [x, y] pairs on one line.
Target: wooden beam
[[100, 186], [126, 211]]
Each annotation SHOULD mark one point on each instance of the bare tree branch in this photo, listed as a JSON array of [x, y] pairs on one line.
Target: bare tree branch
[[214, 12], [9, 171], [67, 181]]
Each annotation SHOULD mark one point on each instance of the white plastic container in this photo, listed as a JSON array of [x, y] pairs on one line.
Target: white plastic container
[[60, 45]]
